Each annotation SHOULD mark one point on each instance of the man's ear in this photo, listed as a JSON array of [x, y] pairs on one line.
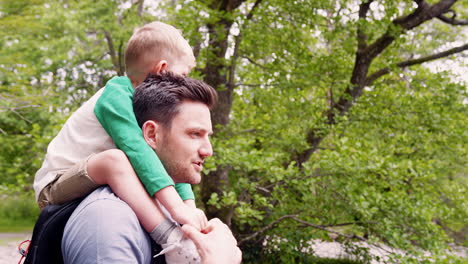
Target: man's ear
[[159, 67], [151, 133]]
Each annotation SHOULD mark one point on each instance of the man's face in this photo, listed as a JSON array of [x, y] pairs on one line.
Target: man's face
[[184, 146]]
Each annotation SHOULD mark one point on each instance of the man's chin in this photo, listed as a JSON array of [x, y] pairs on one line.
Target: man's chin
[[192, 179], [195, 181]]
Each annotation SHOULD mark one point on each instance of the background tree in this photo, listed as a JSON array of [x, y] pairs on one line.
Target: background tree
[[302, 85], [329, 120]]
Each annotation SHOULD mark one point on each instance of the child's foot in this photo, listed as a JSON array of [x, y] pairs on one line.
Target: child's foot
[[179, 249]]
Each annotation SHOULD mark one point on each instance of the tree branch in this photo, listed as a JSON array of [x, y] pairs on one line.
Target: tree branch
[[364, 58], [452, 20], [250, 14], [347, 224], [386, 70], [235, 56], [121, 59], [255, 63], [423, 13], [320, 227], [140, 4], [361, 36], [21, 116], [269, 187], [323, 228], [16, 108], [257, 85], [266, 228], [112, 53]]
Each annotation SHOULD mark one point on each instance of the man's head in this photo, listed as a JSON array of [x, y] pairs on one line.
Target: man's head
[[157, 47], [174, 113]]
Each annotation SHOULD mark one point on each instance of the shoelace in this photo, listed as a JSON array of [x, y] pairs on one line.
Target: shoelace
[[169, 248]]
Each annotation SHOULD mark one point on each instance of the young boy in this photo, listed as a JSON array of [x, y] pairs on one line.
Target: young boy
[[84, 154]]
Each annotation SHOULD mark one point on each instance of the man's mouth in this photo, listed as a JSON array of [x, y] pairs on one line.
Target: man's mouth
[[198, 165]]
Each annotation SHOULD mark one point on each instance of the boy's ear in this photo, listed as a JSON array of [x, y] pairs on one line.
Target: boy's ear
[[151, 133], [159, 67]]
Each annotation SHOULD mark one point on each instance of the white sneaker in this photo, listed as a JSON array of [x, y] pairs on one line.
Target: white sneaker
[[179, 249]]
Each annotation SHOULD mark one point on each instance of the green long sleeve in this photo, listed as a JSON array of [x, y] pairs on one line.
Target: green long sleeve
[[114, 110]]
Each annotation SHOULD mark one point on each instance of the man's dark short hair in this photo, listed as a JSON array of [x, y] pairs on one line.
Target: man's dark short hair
[[158, 97]]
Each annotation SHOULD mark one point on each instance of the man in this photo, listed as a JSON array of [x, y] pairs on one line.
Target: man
[[174, 113]]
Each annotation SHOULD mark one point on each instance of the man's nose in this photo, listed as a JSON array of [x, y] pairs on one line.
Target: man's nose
[[206, 150]]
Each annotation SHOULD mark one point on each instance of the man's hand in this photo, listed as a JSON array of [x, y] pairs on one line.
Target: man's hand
[[215, 244], [188, 215]]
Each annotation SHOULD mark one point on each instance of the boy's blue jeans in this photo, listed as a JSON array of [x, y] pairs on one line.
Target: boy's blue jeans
[[103, 229]]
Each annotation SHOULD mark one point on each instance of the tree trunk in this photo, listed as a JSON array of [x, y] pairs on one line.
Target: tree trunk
[[215, 72], [215, 75]]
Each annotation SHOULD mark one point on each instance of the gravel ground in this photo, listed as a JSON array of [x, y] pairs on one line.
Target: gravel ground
[[9, 247]]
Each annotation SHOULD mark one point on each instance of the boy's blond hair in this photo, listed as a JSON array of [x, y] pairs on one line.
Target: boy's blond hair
[[153, 42]]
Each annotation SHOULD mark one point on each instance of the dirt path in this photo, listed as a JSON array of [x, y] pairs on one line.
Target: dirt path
[[9, 247]]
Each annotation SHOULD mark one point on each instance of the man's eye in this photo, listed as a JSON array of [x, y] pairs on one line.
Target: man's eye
[[195, 134]]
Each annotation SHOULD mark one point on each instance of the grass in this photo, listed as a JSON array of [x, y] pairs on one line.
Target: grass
[[7, 226], [18, 213]]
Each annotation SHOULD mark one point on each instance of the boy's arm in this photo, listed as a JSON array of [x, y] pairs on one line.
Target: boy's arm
[[190, 203], [183, 212], [185, 190], [114, 110]]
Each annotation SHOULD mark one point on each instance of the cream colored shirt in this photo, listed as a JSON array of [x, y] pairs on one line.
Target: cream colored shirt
[[81, 136]]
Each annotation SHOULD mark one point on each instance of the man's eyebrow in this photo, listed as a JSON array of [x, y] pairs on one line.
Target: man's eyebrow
[[201, 129]]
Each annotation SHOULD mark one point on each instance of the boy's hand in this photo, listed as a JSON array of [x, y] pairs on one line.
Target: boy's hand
[[190, 215], [184, 212]]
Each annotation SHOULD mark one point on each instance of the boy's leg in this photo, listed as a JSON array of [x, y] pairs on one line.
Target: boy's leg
[[67, 186], [113, 168]]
